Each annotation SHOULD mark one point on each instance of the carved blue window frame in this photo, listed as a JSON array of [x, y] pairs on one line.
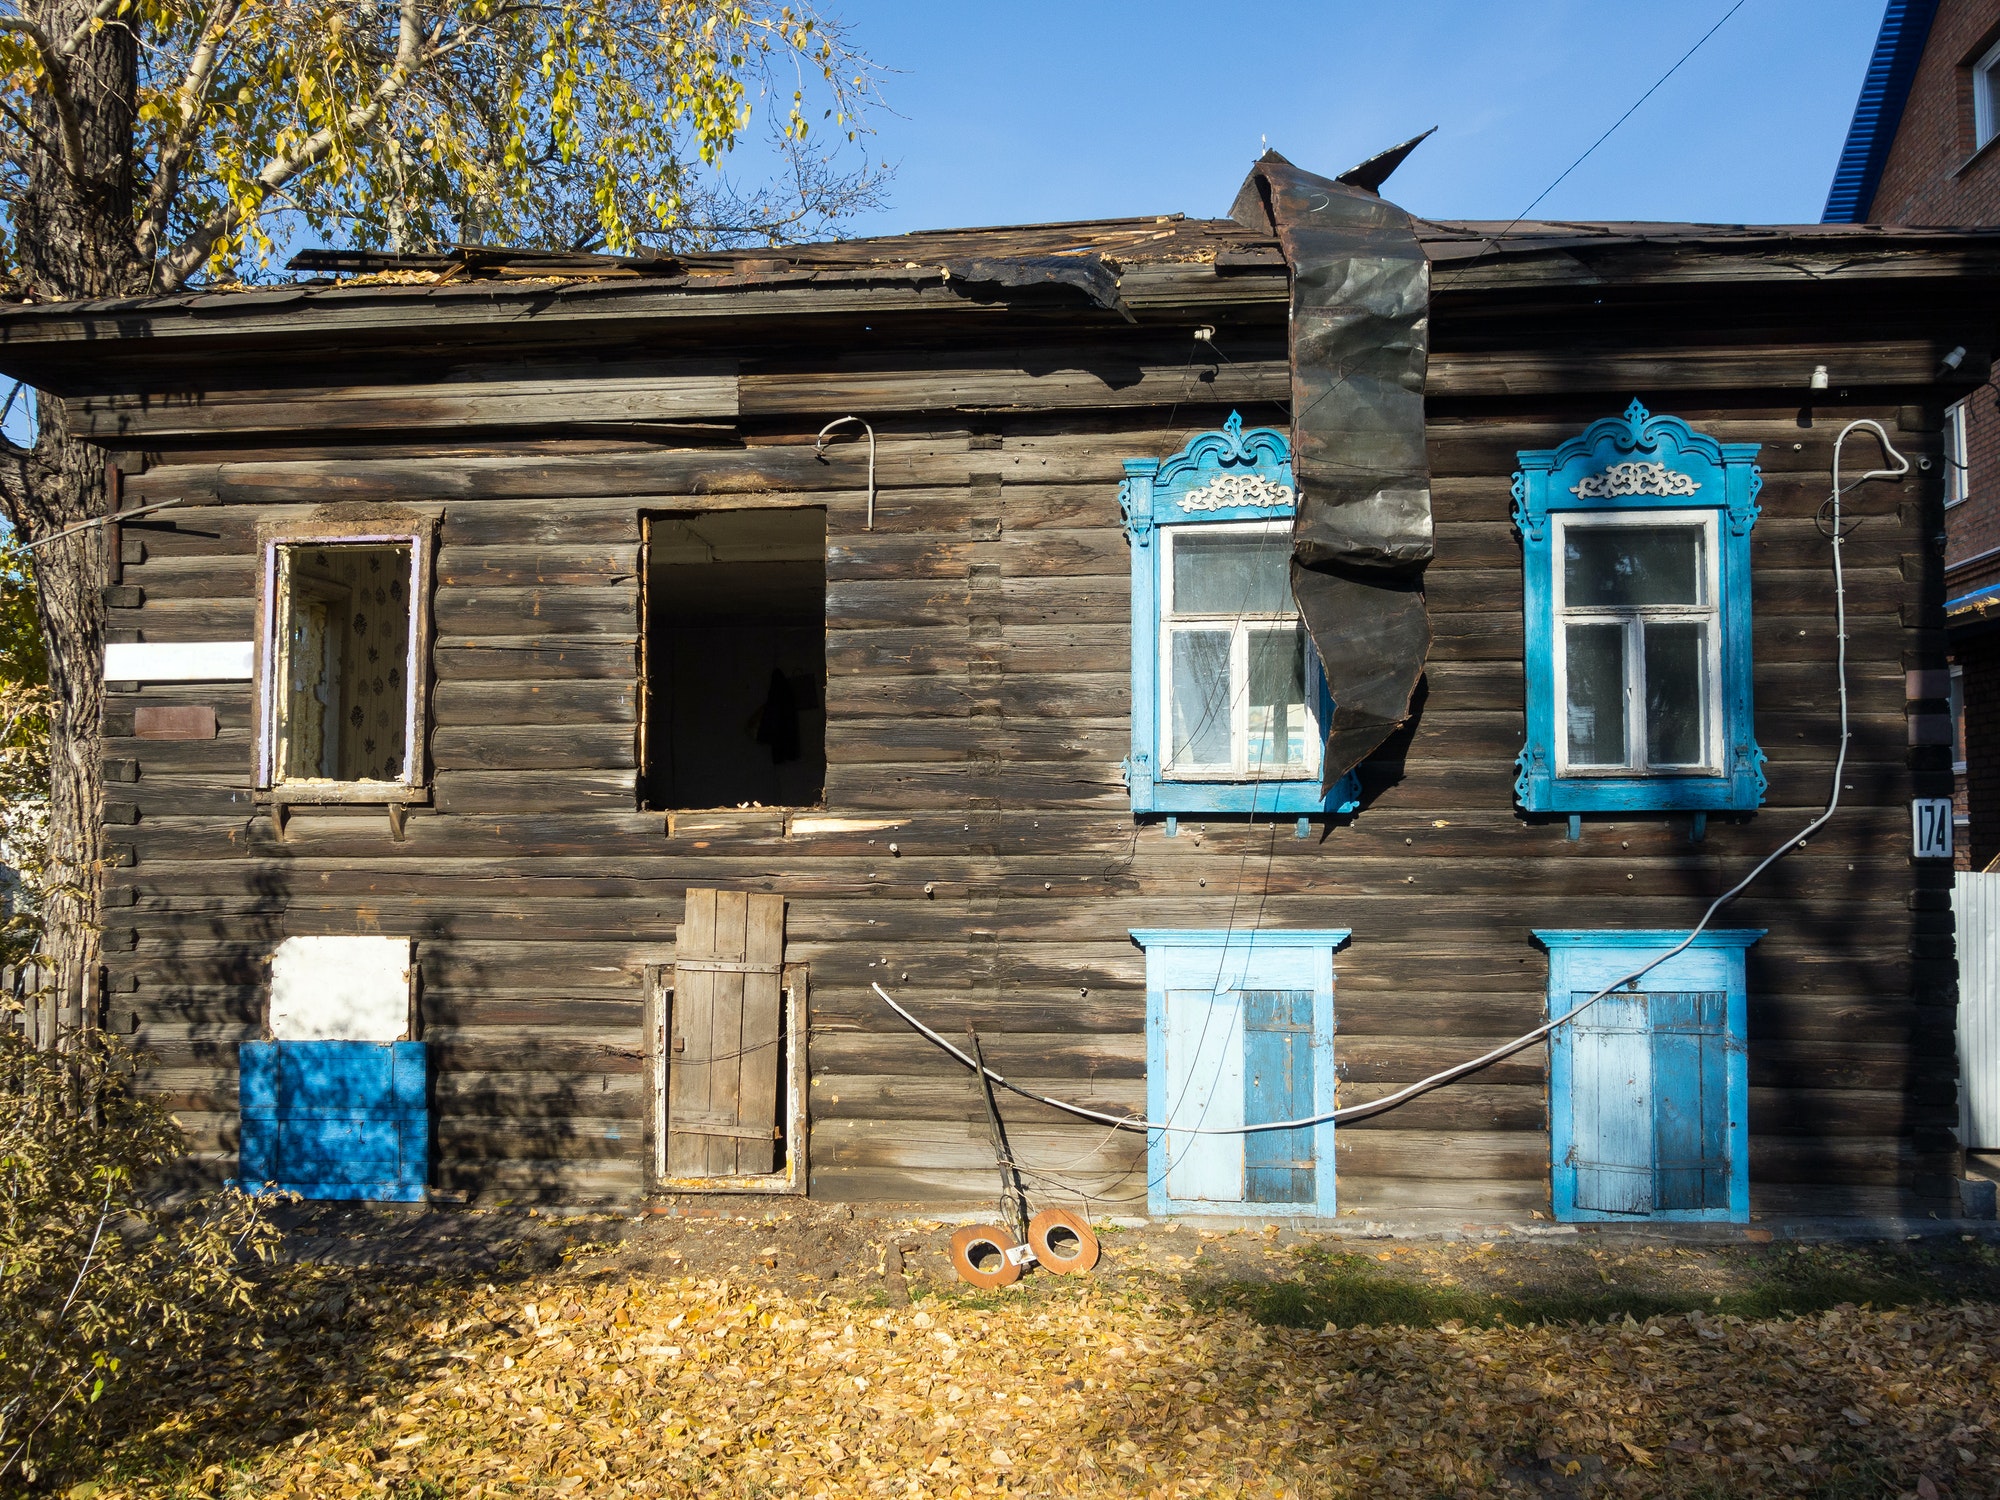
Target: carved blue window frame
[[1629, 465], [1221, 476]]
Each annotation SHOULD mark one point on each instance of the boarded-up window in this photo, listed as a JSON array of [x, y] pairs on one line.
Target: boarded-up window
[[729, 1036]]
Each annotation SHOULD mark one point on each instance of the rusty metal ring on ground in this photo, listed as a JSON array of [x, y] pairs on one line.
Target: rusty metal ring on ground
[[973, 1237], [1063, 1256]]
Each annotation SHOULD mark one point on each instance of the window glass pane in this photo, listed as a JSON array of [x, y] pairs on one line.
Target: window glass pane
[[1200, 698], [1596, 661], [1278, 727], [1614, 566], [1676, 676], [1232, 573]]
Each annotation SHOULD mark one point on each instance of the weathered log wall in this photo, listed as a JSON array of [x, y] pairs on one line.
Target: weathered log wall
[[977, 650]]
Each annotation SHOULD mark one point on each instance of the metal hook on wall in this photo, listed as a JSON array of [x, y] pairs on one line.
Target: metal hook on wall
[[819, 451]]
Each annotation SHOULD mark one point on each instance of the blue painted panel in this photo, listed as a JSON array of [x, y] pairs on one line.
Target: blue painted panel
[[1662, 464], [1693, 1118], [1691, 1106], [1277, 1085], [1611, 1105], [336, 1119]]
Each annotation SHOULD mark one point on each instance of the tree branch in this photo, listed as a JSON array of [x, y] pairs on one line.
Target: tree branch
[[55, 74], [411, 57], [188, 99]]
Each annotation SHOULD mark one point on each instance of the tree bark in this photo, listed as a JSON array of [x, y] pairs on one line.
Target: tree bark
[[75, 238]]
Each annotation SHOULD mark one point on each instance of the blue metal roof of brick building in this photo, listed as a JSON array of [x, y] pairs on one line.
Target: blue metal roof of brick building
[[1906, 25]]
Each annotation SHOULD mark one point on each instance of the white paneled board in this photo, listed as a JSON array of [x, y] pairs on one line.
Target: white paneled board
[[341, 989], [179, 661], [1975, 899]]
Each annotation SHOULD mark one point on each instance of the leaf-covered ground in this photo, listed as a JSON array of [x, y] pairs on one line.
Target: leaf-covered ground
[[642, 1364]]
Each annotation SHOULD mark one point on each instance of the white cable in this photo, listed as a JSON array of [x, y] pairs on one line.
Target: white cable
[[1438, 1080], [819, 451]]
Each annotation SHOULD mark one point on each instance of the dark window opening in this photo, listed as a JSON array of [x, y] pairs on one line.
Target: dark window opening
[[735, 659]]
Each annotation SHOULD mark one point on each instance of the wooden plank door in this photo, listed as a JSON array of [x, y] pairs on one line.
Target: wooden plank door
[[1611, 1102], [723, 1075]]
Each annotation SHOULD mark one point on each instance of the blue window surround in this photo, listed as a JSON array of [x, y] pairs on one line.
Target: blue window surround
[[1222, 964], [1581, 962], [1699, 473], [1186, 490]]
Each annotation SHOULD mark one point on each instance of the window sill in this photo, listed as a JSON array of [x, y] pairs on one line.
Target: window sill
[[1580, 794], [342, 793], [1247, 797], [1978, 156]]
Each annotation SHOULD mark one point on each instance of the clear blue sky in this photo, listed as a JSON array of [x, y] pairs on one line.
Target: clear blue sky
[[1068, 109], [1076, 109]]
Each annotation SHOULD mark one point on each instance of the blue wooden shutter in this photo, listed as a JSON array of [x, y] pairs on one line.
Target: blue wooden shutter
[[1611, 1098], [1277, 1085], [1204, 1068], [1690, 1099]]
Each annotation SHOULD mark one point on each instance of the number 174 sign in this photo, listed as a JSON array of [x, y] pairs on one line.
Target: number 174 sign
[[1930, 820]]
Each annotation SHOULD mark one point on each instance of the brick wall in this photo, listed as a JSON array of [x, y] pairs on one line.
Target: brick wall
[[1936, 175]]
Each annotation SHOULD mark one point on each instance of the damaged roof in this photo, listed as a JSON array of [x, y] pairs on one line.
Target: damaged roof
[[1088, 254]]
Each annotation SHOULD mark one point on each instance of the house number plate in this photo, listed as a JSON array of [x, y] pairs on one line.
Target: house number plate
[[1930, 821]]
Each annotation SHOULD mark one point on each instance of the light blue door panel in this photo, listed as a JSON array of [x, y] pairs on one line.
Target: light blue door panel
[[1204, 1037], [1277, 1085], [1691, 1106], [1611, 1090]]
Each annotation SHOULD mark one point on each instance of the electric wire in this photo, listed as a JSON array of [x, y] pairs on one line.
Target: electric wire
[[1624, 117], [1529, 1039]]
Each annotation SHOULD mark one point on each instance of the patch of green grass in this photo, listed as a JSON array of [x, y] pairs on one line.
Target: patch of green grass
[[1350, 1290]]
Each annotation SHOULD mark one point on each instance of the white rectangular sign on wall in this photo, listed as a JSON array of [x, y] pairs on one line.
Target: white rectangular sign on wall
[[1930, 827], [179, 661], [341, 989]]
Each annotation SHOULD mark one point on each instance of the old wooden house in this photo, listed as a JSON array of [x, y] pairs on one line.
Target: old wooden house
[[534, 674]]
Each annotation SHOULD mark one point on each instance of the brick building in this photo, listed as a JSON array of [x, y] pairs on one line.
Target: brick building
[[1924, 148]]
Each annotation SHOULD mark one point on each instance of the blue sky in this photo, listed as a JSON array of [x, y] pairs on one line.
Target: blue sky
[[1064, 109]]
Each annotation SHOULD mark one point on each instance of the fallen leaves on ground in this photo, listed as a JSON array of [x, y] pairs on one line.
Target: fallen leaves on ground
[[683, 1387]]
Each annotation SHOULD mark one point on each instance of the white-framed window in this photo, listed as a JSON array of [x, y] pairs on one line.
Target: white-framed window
[[344, 615], [1986, 97], [1239, 684], [1957, 466], [1957, 720], [1637, 643]]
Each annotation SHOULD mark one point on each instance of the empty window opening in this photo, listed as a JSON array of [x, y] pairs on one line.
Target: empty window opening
[[343, 700], [735, 659]]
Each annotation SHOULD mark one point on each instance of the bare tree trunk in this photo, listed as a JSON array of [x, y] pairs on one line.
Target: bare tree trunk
[[74, 234]]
